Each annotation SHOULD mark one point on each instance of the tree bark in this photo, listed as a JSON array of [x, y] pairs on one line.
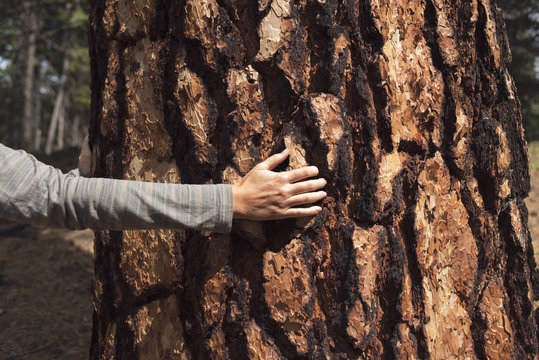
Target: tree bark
[[422, 250]]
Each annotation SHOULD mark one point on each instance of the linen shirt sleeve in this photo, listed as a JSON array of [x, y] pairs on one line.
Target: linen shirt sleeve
[[35, 193]]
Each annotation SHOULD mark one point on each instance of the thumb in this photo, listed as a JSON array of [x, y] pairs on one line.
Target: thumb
[[273, 161]]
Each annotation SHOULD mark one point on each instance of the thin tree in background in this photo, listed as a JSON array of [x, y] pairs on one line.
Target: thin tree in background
[[37, 107], [28, 81], [522, 19], [57, 124], [407, 108]]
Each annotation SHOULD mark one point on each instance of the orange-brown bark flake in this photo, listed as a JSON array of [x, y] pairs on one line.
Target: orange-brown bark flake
[[447, 256]]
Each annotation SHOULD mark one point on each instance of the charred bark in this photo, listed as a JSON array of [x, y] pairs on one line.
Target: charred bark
[[422, 250]]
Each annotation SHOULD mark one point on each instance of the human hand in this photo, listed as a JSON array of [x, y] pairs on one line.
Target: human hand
[[85, 158], [267, 195]]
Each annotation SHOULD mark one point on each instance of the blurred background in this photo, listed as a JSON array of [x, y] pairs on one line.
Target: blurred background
[[45, 274], [44, 74]]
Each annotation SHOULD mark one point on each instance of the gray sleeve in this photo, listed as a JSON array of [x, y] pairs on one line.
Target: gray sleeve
[[36, 193], [75, 172]]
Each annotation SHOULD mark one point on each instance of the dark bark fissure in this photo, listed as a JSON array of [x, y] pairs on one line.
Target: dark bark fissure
[[318, 39], [394, 260], [99, 54], [519, 309], [368, 129], [483, 131], [195, 334], [383, 121], [245, 17], [406, 225], [160, 23], [448, 116], [478, 327], [236, 343], [485, 264], [105, 308], [375, 42], [280, 99], [519, 177], [359, 92], [363, 203], [98, 64], [346, 292]]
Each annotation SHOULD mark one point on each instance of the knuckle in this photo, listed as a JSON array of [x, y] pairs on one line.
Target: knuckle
[[286, 177], [283, 191]]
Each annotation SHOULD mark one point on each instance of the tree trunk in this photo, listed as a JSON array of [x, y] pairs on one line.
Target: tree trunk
[[29, 46], [58, 112], [76, 134], [37, 108], [61, 122], [422, 250]]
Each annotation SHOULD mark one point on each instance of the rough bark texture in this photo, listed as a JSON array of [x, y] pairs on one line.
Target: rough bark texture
[[422, 250]]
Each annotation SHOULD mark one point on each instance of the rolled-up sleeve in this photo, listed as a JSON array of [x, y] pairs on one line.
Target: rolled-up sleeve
[[33, 192]]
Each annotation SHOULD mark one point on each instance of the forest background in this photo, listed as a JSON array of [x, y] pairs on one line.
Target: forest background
[[45, 70]]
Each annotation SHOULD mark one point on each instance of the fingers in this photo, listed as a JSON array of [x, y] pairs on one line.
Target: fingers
[[273, 161], [307, 186], [306, 198], [299, 212], [291, 176], [302, 173]]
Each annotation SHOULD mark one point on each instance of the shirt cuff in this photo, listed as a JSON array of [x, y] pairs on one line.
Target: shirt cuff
[[226, 209]]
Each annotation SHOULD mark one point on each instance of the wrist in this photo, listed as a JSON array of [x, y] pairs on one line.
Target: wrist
[[237, 203]]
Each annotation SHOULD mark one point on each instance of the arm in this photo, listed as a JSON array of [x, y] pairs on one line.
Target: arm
[[262, 194], [35, 193]]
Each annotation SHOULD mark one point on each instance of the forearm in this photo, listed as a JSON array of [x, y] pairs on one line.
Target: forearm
[[120, 205]]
